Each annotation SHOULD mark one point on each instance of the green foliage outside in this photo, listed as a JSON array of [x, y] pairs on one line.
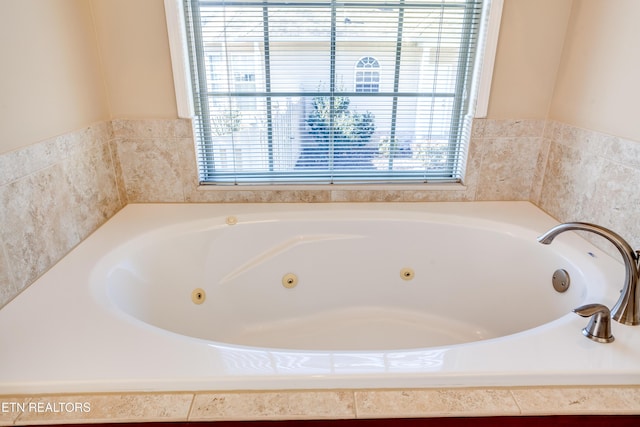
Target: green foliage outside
[[339, 133]]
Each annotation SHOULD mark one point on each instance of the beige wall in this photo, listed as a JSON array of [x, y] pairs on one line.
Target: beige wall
[[80, 69], [527, 59], [133, 41], [598, 85], [70, 63], [50, 79], [138, 67]]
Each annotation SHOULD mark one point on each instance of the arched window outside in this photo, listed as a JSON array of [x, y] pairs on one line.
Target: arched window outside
[[368, 75]]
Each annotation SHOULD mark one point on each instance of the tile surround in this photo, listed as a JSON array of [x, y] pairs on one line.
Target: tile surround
[[318, 404], [434, 403], [270, 405], [53, 194], [158, 165], [569, 172], [56, 192], [590, 176], [156, 159], [101, 408]]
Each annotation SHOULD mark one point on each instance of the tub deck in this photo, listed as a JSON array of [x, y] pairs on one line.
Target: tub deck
[[76, 348]]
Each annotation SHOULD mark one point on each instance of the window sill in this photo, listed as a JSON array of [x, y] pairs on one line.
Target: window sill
[[337, 187]]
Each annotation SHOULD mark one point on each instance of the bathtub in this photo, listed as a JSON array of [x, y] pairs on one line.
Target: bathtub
[[173, 297]]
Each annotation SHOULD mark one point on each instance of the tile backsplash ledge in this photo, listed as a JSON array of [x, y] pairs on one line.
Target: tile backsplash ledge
[[158, 165], [54, 193]]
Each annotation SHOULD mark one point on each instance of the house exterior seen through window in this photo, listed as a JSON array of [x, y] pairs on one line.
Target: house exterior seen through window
[[367, 78], [326, 92]]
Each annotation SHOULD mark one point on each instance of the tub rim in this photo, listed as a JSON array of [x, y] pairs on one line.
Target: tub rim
[[557, 355]]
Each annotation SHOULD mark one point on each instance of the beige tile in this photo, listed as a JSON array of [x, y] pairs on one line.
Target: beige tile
[[91, 179], [367, 196], [230, 195], [473, 168], [625, 152], [517, 187], [616, 200], [188, 168], [434, 403], [56, 193], [11, 408], [505, 128], [590, 176], [183, 128], [8, 289], [477, 128], [552, 130], [423, 193], [294, 196], [38, 226], [456, 193], [508, 168], [586, 141], [272, 405], [20, 163], [578, 400], [540, 170], [115, 159], [570, 182], [107, 408], [146, 128], [151, 169]]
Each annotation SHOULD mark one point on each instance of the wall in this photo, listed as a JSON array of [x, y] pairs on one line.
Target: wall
[[529, 51], [51, 74], [597, 85], [138, 69], [133, 42]]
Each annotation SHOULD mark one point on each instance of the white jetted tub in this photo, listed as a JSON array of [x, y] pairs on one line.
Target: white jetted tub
[[302, 296]]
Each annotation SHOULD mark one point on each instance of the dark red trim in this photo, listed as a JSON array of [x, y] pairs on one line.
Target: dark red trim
[[541, 421]]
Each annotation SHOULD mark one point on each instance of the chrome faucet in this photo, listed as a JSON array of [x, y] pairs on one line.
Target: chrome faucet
[[627, 309]]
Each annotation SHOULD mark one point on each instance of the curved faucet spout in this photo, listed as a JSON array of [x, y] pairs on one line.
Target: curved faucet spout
[[627, 309]]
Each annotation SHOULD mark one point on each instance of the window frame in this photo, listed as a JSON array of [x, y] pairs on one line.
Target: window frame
[[485, 60]]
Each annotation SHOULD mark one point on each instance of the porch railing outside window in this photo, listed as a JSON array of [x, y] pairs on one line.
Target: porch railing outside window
[[277, 99]]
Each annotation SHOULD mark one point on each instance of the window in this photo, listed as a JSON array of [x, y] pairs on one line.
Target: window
[[367, 75], [278, 99]]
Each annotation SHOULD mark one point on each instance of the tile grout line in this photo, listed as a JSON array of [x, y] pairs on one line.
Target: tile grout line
[[354, 394], [515, 400], [193, 402], [15, 420]]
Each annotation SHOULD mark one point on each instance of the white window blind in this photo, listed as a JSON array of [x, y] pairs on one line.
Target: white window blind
[[277, 100]]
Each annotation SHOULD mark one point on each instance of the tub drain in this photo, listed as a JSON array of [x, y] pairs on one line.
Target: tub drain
[[560, 280]]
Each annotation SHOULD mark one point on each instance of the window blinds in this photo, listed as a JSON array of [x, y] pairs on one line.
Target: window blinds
[[332, 92]]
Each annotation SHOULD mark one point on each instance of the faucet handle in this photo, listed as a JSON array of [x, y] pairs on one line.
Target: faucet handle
[[599, 327]]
